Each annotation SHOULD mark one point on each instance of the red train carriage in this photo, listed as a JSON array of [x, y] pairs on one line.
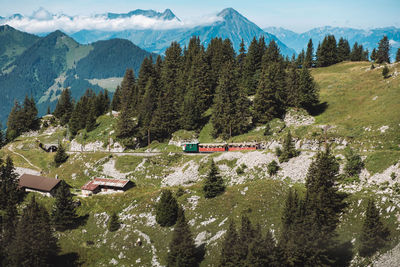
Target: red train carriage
[[212, 147], [242, 146]]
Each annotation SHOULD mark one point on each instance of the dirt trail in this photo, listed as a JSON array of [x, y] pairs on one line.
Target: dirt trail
[[11, 148]]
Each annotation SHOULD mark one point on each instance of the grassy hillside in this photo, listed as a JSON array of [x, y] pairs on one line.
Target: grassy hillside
[[358, 103]]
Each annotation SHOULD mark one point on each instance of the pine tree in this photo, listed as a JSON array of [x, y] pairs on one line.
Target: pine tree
[[64, 107], [322, 197], [34, 243], [91, 116], [246, 237], [356, 52], [30, 113], [373, 234], [230, 250], [373, 55], [252, 62], [166, 209], [48, 112], [382, 54], [198, 95], [61, 156], [113, 223], [261, 250], [64, 211], [3, 140], [182, 249], [343, 50], [272, 54], [300, 59], [10, 194], [288, 151], [230, 116], [214, 184], [116, 100], [269, 99], [398, 55], [293, 86], [308, 91], [327, 52], [308, 60], [166, 116], [353, 164]]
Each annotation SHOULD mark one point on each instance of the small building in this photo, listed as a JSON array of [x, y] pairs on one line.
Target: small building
[[106, 185], [39, 184]]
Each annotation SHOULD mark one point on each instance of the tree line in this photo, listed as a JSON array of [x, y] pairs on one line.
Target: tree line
[[243, 90]]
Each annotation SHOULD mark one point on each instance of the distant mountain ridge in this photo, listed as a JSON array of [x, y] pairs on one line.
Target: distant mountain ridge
[[230, 24], [368, 38], [166, 15], [46, 65]]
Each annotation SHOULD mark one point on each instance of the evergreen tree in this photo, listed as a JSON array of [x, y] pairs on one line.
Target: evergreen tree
[[64, 211], [198, 95], [288, 151], [61, 156], [373, 55], [272, 54], [270, 98], [64, 107], [293, 86], [3, 139], [15, 122], [261, 251], [327, 52], [34, 243], [322, 208], [146, 72], [113, 223], [48, 110], [343, 50], [374, 233], [252, 63], [10, 193], [214, 184], [166, 116], [230, 249], [116, 100], [30, 113], [308, 60], [356, 52], [126, 123], [398, 55], [353, 164], [300, 59], [182, 249], [91, 116], [230, 114], [308, 91], [166, 209], [382, 54]]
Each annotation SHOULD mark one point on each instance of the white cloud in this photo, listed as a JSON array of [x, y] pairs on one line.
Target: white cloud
[[42, 21]]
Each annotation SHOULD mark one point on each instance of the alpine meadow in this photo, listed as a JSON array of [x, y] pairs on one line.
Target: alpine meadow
[[197, 137]]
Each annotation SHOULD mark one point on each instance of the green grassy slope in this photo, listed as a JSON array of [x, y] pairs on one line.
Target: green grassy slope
[[349, 89]]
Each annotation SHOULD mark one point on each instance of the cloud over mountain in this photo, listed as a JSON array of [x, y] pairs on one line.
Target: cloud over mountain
[[42, 21]]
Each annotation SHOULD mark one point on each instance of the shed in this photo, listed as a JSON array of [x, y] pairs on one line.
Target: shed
[[106, 185], [40, 184]]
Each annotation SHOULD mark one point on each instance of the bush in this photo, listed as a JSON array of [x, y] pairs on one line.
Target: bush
[[113, 223], [241, 168], [272, 168], [180, 192], [267, 130], [385, 72]]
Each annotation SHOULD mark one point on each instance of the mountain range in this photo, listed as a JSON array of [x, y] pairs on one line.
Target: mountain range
[[368, 38], [42, 66], [150, 30]]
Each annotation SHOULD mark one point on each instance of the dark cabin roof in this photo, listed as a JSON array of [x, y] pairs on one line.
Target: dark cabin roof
[[38, 182]]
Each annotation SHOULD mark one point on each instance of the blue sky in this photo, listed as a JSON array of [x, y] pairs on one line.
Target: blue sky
[[296, 15]]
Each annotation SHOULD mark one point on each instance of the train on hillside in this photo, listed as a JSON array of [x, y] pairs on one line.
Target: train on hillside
[[219, 147]]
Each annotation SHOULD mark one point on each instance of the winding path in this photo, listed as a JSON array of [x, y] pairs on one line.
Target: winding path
[[11, 148]]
